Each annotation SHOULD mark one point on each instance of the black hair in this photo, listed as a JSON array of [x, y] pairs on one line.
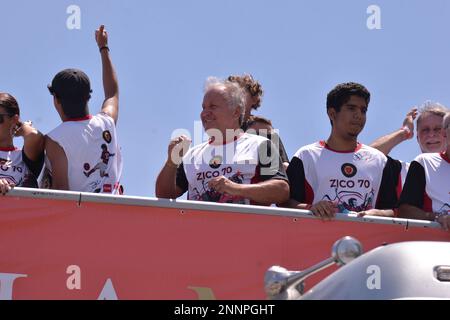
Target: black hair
[[9, 103], [342, 93]]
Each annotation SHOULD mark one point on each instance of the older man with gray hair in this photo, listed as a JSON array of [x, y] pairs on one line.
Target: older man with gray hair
[[426, 194], [232, 166]]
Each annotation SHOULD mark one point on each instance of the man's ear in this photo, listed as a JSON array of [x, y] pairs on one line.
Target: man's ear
[[331, 114], [237, 113], [16, 118]]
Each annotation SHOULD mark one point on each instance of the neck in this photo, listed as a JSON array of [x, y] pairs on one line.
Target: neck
[[341, 144], [6, 143], [230, 135]]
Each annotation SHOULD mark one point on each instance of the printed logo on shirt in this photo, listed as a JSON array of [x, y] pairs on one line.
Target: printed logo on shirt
[[351, 201], [5, 162], [349, 170], [107, 188], [102, 165], [216, 162], [445, 209], [107, 136], [362, 156]]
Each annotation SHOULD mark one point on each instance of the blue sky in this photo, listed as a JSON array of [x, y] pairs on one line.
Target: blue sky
[[164, 50]]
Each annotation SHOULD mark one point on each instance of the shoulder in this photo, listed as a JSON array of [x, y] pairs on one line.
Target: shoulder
[[252, 139], [102, 116], [428, 158], [366, 152], [196, 149], [313, 148]]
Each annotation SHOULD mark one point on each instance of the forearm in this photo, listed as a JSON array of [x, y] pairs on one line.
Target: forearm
[[387, 143], [34, 143], [379, 212], [166, 186], [407, 211], [294, 204], [268, 192], [110, 82]]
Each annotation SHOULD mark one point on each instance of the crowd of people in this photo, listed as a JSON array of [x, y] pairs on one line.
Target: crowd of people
[[244, 160]]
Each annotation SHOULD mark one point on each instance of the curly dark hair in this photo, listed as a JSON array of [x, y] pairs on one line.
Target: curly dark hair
[[342, 92], [10, 104], [247, 82]]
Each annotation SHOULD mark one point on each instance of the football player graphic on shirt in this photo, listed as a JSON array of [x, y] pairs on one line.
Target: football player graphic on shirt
[[445, 209], [211, 195], [102, 165], [347, 201]]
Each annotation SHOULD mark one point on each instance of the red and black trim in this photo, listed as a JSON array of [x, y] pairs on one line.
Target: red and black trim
[[326, 146], [88, 117]]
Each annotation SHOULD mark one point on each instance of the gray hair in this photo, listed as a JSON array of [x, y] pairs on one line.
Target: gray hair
[[235, 94], [446, 121], [432, 107]]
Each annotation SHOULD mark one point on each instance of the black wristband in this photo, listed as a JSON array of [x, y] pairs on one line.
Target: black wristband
[[104, 47]]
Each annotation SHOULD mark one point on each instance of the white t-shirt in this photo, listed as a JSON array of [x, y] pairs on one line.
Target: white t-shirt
[[359, 180], [93, 153], [244, 161], [16, 168], [427, 185]]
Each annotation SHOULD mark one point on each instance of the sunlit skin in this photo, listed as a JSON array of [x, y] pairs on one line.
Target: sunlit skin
[[6, 137], [347, 124], [430, 135], [216, 113]]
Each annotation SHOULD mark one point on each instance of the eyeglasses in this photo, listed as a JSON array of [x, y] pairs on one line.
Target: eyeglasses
[[2, 119]]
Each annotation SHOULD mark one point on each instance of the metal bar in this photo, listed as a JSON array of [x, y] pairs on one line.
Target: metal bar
[[206, 206]]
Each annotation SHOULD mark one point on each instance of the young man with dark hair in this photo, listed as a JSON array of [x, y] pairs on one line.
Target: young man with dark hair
[[341, 174], [79, 143]]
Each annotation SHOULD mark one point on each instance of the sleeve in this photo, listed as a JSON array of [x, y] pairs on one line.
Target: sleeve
[[270, 164], [181, 179], [388, 193], [275, 138], [414, 188], [34, 166], [397, 168], [297, 180]]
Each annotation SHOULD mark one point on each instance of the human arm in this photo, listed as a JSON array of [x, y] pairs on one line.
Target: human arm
[[110, 83], [266, 192], [302, 194], [58, 162], [167, 185], [33, 140], [386, 143]]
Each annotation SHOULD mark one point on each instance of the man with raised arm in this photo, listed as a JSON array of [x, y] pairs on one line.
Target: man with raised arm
[[83, 151], [426, 194], [429, 130], [233, 166]]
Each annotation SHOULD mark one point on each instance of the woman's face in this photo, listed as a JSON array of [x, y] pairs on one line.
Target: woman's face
[[6, 124]]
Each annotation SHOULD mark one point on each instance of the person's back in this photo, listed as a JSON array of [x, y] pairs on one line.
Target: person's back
[[93, 153], [83, 151]]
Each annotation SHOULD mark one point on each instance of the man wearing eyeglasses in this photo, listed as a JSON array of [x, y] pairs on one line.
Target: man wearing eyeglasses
[[426, 194], [77, 145]]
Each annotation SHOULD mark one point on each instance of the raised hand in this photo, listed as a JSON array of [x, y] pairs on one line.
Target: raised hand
[[101, 36]]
